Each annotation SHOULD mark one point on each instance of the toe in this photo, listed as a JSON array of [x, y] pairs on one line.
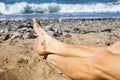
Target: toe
[[35, 20], [37, 27]]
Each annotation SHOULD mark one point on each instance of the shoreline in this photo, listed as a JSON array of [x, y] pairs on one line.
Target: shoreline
[[89, 15]]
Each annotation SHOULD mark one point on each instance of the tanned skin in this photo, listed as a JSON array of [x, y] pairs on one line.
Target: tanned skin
[[77, 61]]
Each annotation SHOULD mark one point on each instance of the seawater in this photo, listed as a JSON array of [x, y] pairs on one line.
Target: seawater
[[59, 8]]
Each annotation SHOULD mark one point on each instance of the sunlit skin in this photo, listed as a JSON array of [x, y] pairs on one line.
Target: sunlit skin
[[77, 61]]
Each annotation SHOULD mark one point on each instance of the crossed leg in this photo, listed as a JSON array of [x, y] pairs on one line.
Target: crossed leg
[[47, 44], [74, 60]]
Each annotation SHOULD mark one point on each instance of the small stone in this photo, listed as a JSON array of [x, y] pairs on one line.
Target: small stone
[[67, 31], [5, 37], [48, 27], [106, 30], [23, 61], [16, 35], [57, 33], [5, 60], [29, 30], [24, 28], [76, 29], [28, 35], [51, 29], [67, 35], [6, 30], [50, 33], [2, 31], [60, 20], [1, 39], [100, 41]]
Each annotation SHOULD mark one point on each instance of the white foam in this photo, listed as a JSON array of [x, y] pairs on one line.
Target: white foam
[[16, 8], [23, 7]]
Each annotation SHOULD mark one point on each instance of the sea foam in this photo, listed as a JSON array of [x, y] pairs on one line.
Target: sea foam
[[24, 7]]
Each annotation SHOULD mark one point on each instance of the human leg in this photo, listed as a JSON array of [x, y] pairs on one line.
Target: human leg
[[47, 44], [102, 66], [85, 55], [76, 68], [115, 47]]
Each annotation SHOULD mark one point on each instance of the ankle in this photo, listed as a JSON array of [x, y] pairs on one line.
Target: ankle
[[54, 46]]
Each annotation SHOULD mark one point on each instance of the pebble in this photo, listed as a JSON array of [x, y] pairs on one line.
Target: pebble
[[67, 31], [57, 34], [67, 35], [48, 27], [28, 35], [6, 30], [2, 31], [1, 38], [4, 37], [29, 30], [51, 29], [76, 29], [22, 29], [23, 61], [50, 33], [100, 41], [16, 35]]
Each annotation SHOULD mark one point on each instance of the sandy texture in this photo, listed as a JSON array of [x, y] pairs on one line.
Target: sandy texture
[[19, 61]]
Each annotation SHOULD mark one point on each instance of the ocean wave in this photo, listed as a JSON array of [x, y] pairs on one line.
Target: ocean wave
[[24, 7]]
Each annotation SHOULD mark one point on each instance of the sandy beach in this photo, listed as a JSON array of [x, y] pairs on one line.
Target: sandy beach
[[20, 61]]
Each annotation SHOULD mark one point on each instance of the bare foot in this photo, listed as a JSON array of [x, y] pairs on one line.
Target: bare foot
[[40, 42], [45, 43]]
